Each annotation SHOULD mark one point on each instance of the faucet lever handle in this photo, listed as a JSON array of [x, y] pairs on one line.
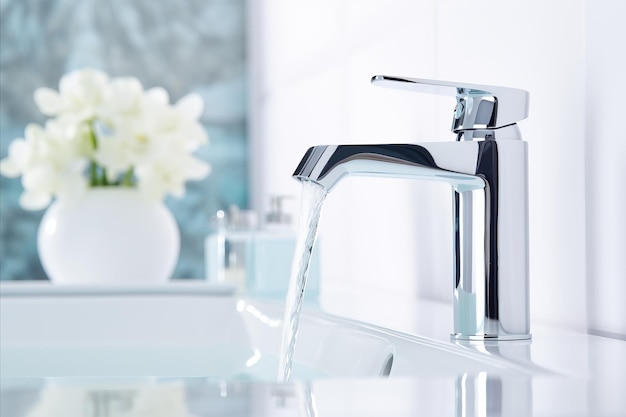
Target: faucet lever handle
[[478, 106]]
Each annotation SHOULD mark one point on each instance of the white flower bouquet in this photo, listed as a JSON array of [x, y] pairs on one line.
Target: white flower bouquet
[[107, 132]]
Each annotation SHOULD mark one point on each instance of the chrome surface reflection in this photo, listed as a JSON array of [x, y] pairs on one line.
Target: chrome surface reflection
[[483, 394], [487, 169]]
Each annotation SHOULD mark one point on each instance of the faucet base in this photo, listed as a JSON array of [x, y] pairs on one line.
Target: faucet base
[[489, 337]]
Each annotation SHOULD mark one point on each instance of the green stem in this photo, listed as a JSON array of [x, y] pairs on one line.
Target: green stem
[[98, 174], [104, 180], [93, 174], [93, 167], [128, 177]]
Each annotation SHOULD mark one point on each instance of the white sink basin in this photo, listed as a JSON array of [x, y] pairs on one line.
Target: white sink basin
[[200, 334], [193, 350]]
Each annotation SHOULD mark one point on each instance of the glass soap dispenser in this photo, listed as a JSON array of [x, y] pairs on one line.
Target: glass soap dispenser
[[257, 261], [272, 253], [228, 247]]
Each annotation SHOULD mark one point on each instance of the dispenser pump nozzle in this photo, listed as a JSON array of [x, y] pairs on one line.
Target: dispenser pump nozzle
[[277, 215]]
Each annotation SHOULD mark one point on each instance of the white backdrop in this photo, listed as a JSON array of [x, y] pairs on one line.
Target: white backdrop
[[311, 66]]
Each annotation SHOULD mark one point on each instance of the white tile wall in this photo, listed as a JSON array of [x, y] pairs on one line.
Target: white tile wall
[[606, 166], [313, 64]]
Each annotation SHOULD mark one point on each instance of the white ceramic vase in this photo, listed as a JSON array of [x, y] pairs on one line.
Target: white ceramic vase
[[112, 235]]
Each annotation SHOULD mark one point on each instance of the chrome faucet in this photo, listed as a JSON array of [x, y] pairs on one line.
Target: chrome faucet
[[487, 169]]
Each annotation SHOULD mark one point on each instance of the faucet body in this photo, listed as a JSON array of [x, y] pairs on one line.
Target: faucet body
[[490, 216]]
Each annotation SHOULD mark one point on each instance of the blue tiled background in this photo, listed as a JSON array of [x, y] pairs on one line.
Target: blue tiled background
[[182, 45]]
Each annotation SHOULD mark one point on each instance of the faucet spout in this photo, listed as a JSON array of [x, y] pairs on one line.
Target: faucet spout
[[327, 165], [490, 218]]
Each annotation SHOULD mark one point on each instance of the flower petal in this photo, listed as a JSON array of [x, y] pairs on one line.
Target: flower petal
[[18, 160], [41, 178], [197, 169], [34, 132], [10, 168], [194, 135], [191, 106], [157, 95], [48, 101], [33, 200], [125, 95], [83, 93], [84, 83]]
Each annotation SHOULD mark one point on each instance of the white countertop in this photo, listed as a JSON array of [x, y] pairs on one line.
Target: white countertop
[[586, 373], [579, 374]]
